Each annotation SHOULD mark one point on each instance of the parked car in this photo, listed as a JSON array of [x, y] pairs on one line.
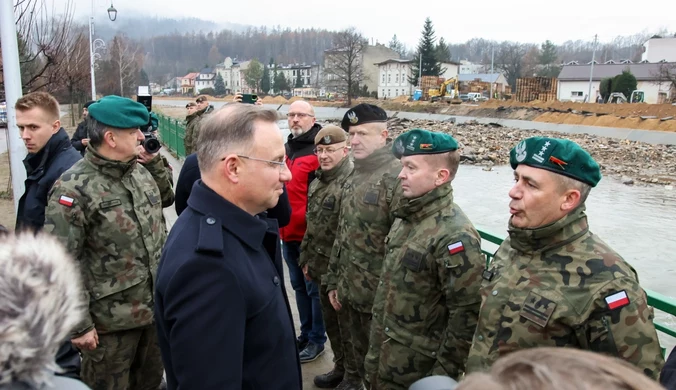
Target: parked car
[[3, 115]]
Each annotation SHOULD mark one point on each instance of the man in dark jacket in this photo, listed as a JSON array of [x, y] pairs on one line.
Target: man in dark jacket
[[49, 155], [302, 162], [220, 305], [80, 138]]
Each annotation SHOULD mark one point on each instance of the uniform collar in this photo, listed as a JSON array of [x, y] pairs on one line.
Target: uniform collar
[[375, 160], [554, 235], [112, 168], [431, 202], [247, 228], [341, 169]]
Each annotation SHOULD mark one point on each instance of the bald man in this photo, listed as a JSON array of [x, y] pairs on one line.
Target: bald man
[[302, 162]]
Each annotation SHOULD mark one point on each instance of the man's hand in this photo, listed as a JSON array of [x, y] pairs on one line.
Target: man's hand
[[259, 101], [85, 141], [333, 297], [307, 275], [238, 98], [88, 341], [143, 156]]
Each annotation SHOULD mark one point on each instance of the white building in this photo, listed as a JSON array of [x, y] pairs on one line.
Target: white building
[[573, 81], [232, 73], [205, 79], [659, 49], [467, 67], [369, 59], [310, 77], [393, 75]]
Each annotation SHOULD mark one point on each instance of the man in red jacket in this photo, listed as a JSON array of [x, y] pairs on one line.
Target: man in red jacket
[[302, 163]]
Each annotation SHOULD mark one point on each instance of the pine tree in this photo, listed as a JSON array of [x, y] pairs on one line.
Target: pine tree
[[143, 78], [280, 83], [426, 51], [265, 81], [396, 45], [219, 85], [547, 58], [443, 52], [299, 80]]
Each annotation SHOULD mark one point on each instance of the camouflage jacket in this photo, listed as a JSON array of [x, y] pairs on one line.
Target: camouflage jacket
[[427, 302], [365, 219], [323, 208], [109, 216], [562, 286], [192, 123]]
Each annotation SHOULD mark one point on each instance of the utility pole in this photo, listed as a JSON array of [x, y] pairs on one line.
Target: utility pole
[[591, 72], [420, 72], [12, 78], [492, 61]]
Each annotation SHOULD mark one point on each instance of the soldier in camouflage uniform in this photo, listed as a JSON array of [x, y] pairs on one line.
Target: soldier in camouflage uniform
[[427, 302], [365, 219], [554, 283], [107, 209], [323, 208], [193, 122]]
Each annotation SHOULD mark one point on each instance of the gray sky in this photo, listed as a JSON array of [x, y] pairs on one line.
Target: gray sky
[[456, 21]]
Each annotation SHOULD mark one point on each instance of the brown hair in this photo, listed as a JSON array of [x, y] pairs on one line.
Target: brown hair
[[559, 369], [42, 100], [230, 127]]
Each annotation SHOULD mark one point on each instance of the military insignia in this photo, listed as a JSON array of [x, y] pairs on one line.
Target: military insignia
[[537, 309], [456, 248], [399, 146], [110, 203], [329, 203], [559, 162], [487, 275], [426, 146], [521, 152], [539, 157], [412, 260], [327, 139], [617, 300], [371, 197], [352, 116], [411, 144], [152, 197], [66, 201]]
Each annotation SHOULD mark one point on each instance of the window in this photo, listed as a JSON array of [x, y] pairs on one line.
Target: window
[[383, 79], [576, 94], [397, 78], [382, 93], [396, 92], [389, 78]]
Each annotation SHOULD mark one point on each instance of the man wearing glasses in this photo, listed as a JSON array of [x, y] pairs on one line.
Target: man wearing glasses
[[302, 163], [220, 304]]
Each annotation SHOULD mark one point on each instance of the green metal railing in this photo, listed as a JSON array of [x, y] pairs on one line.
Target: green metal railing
[[172, 132]]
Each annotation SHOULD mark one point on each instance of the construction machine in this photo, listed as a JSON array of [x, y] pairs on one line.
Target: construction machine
[[637, 96], [448, 90]]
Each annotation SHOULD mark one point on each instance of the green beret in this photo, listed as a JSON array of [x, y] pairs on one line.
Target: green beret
[[560, 156], [362, 113], [418, 141], [154, 120], [119, 112]]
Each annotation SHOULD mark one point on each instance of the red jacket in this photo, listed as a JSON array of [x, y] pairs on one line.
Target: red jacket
[[302, 163]]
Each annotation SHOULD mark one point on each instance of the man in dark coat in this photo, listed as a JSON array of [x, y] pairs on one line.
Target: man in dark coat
[[80, 138], [222, 314], [49, 155]]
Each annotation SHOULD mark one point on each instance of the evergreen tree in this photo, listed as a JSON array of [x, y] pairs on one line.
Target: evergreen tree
[[426, 51], [143, 78], [625, 83], [299, 80], [396, 45], [280, 83], [219, 85], [605, 88], [442, 51], [547, 59], [266, 84]]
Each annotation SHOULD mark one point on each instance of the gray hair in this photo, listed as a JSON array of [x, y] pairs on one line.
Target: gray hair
[[231, 127], [96, 130], [567, 183]]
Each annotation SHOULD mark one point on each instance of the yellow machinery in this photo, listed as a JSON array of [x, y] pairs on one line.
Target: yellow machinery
[[448, 90]]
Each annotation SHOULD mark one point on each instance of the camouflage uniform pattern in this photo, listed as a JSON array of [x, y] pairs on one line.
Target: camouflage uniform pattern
[[323, 208], [358, 252], [191, 130], [427, 303], [547, 287], [114, 229]]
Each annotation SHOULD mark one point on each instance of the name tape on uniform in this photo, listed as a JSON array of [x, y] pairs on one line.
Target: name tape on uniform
[[66, 201], [617, 300], [456, 247]]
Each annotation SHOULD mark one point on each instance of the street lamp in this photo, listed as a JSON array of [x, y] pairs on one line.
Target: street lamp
[[112, 15]]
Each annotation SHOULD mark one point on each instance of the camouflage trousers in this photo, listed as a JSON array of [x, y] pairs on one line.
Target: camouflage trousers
[[128, 359], [358, 329], [335, 323]]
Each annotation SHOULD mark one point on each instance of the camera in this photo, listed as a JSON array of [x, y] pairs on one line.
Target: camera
[[151, 144], [249, 98]]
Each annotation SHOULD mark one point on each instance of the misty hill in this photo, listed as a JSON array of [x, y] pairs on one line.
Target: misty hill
[[144, 27]]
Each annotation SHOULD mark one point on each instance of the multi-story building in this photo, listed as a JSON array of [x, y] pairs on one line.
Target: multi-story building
[[368, 61], [232, 73], [310, 76], [468, 67], [659, 50], [188, 83], [205, 79], [393, 77]]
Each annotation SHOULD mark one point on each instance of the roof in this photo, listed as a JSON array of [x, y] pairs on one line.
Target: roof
[[191, 75], [581, 72], [206, 71], [485, 77], [394, 60]]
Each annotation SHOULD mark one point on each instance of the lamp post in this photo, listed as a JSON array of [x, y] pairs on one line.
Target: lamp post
[[112, 15]]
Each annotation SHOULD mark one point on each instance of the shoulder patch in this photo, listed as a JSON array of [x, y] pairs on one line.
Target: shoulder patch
[[617, 300], [66, 201], [456, 248]]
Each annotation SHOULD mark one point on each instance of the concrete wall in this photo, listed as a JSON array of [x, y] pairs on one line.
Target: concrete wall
[[370, 57], [652, 91], [659, 49], [567, 88]]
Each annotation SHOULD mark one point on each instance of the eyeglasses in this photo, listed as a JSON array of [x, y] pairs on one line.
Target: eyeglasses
[[271, 164], [300, 115], [320, 151]]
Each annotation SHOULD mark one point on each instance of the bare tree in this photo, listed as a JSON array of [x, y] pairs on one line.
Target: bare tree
[[73, 68], [343, 64], [127, 58], [509, 58], [666, 75]]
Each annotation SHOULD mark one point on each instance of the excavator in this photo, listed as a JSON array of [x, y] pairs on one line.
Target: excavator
[[448, 90]]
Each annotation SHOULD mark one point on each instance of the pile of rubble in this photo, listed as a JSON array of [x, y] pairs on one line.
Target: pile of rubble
[[489, 145]]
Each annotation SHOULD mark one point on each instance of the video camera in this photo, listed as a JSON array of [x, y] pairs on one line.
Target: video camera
[[151, 144]]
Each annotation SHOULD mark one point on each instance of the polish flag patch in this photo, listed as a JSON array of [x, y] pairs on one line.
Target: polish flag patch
[[456, 247], [66, 201], [617, 300]]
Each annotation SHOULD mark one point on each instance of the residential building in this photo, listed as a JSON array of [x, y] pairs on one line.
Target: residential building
[[205, 79], [232, 72], [188, 83], [659, 49], [573, 81], [393, 75], [369, 59], [310, 76], [468, 67]]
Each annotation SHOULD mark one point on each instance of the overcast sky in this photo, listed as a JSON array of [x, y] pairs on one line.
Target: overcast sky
[[456, 21]]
